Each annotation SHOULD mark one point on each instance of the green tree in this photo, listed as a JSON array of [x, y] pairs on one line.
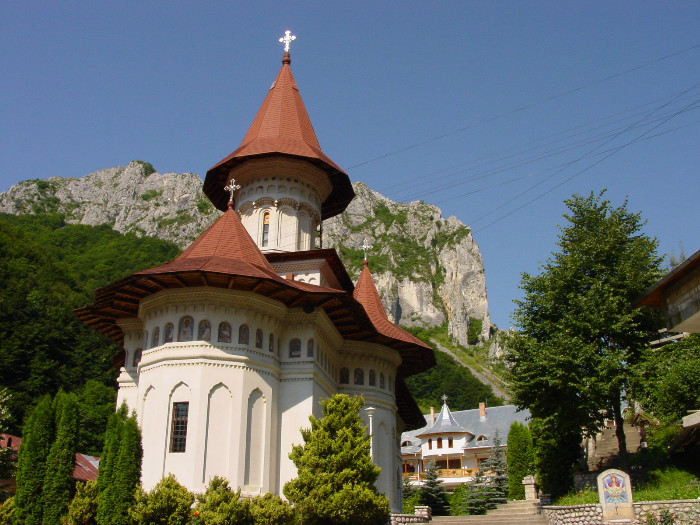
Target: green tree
[[120, 468], [519, 459], [498, 477], [220, 505], [667, 380], [60, 462], [169, 503], [336, 476], [96, 406], [83, 507], [31, 464], [431, 492], [271, 510], [8, 512], [475, 497], [579, 332]]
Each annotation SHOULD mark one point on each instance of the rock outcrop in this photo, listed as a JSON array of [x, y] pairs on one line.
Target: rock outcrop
[[428, 269]]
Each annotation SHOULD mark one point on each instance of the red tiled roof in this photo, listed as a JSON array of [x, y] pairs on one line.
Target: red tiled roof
[[282, 127], [8, 440], [366, 294], [85, 467]]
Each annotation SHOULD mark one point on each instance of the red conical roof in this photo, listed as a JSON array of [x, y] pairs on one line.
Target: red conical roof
[[366, 294], [282, 127]]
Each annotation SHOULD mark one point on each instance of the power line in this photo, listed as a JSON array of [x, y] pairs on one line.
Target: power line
[[526, 107]]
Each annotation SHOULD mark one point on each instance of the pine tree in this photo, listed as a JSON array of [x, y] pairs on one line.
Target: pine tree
[[497, 480], [519, 459], [120, 469], [60, 462], [335, 483], [38, 435], [474, 501], [432, 493]]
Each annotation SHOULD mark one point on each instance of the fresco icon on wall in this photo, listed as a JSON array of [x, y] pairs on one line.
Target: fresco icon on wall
[[614, 489]]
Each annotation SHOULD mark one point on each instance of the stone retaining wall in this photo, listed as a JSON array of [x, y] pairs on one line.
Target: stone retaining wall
[[422, 514], [685, 512]]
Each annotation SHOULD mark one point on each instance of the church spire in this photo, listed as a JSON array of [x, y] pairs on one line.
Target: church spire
[[282, 128]]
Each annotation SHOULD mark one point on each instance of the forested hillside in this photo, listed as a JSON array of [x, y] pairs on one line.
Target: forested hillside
[[47, 268]]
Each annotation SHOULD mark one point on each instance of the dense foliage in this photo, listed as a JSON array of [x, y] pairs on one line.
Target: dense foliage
[[46, 460], [7, 454], [449, 378], [580, 333], [83, 507], [336, 476], [167, 504], [519, 459], [667, 379], [48, 268], [496, 468]]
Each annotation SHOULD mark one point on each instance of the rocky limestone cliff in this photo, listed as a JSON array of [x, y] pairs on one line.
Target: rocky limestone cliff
[[428, 269]]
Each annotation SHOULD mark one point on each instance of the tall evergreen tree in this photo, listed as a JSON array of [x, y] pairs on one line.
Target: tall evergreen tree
[[519, 459], [38, 435], [60, 462], [335, 483], [578, 331], [432, 493], [120, 469], [475, 497], [497, 481]]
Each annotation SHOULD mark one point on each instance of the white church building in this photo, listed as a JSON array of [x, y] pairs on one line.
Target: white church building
[[230, 347]]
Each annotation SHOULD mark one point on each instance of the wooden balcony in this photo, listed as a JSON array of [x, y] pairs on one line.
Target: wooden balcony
[[443, 473]]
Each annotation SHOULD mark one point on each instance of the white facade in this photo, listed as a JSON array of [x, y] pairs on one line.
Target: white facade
[[246, 401]]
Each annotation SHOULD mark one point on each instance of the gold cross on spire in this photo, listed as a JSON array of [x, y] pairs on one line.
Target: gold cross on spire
[[444, 398], [365, 246], [286, 39]]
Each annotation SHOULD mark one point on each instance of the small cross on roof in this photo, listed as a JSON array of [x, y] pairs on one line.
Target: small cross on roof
[[286, 39], [231, 188], [365, 246]]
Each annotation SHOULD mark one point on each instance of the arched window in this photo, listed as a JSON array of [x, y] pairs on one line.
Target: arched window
[[271, 345], [224, 332], [185, 329], [310, 348], [344, 376], [169, 329], [204, 331], [439, 442], [295, 348], [137, 358], [450, 442], [372, 377], [406, 444], [266, 229], [359, 377], [155, 338], [381, 380], [258, 338], [430, 444], [243, 335]]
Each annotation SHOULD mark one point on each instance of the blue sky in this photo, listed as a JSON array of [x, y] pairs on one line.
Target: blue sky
[[477, 107]]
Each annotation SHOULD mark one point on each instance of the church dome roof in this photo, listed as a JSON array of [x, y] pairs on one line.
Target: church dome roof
[[282, 127]]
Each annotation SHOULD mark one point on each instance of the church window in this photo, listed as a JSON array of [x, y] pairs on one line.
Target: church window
[[204, 331], [244, 335], [481, 438], [169, 329], [184, 332], [439, 442], [295, 348], [224, 332], [137, 358], [381, 380], [344, 376], [271, 345], [372, 377], [310, 348], [406, 444], [430, 444], [450, 442], [266, 229], [258, 338], [178, 428], [155, 338], [359, 376]]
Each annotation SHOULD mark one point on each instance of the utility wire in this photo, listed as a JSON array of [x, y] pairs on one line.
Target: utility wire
[[526, 107]]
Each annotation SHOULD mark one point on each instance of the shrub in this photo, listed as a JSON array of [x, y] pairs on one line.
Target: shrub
[[220, 505], [83, 507], [169, 503], [271, 510]]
